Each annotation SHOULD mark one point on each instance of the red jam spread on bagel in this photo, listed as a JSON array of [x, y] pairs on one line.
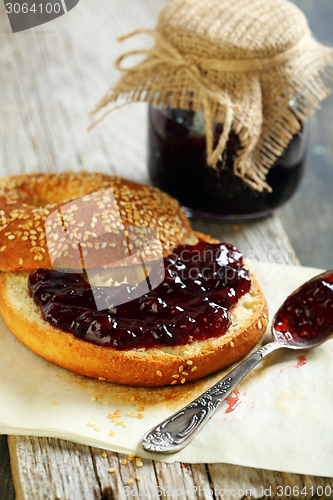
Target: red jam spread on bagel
[[202, 283]]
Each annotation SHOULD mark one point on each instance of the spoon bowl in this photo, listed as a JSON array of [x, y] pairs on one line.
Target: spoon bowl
[[304, 321]]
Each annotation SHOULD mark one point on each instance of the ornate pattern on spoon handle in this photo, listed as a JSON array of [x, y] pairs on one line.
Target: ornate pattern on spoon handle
[[177, 431], [166, 433]]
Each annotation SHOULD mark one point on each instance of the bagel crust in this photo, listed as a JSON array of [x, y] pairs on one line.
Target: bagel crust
[[31, 228], [137, 367]]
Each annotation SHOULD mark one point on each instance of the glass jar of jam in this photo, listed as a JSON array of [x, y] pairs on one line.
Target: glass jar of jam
[[177, 165]]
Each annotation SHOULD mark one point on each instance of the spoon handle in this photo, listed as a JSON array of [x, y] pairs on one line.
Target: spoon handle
[[177, 431]]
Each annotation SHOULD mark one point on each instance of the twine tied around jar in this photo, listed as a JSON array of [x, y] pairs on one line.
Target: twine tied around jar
[[262, 79]]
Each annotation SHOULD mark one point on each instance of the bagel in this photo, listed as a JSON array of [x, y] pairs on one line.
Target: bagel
[[156, 365], [37, 210]]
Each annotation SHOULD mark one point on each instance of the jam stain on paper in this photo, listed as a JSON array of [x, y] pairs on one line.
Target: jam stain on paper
[[233, 402], [301, 361]]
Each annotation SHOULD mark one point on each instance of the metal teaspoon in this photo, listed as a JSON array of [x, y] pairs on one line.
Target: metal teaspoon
[[304, 321]]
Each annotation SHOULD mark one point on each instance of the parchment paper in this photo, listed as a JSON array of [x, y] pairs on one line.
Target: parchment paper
[[280, 418]]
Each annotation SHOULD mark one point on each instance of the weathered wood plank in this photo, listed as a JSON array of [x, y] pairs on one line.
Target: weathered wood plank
[[264, 241], [175, 480], [202, 481], [245, 482], [48, 468], [128, 480], [6, 481]]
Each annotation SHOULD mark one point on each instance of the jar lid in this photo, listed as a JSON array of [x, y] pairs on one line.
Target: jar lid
[[231, 30], [252, 66]]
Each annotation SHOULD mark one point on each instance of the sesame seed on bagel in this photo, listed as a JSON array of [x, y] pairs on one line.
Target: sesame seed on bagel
[[83, 220]]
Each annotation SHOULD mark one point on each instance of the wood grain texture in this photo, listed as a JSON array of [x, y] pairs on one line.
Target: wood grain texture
[[264, 241], [6, 481], [246, 482], [48, 468], [51, 78]]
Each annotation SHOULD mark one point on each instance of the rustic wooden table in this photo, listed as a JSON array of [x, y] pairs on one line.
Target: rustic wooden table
[[51, 77]]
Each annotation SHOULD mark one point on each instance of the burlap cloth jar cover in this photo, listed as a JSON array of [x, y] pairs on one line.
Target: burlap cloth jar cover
[[252, 66]]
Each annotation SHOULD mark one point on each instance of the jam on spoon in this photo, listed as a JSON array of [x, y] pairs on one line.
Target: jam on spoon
[[202, 283], [307, 315], [305, 320]]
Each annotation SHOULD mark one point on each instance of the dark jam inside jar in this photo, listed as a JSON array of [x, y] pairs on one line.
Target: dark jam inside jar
[[202, 284], [177, 165]]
